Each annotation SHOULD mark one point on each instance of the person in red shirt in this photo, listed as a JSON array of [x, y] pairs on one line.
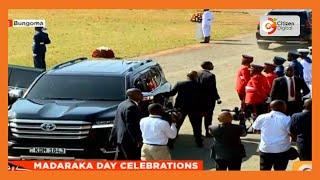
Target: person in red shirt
[[256, 91], [243, 76], [269, 74]]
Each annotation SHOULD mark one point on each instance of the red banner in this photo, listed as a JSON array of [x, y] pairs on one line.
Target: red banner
[[105, 165]]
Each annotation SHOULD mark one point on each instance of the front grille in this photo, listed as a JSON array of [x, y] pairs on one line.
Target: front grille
[[63, 129]]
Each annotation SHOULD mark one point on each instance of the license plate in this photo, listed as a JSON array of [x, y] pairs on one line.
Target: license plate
[[47, 150]]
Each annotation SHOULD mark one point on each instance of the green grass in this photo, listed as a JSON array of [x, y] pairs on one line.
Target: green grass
[[130, 33]]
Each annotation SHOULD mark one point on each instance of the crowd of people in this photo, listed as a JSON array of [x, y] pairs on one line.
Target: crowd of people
[[272, 93]]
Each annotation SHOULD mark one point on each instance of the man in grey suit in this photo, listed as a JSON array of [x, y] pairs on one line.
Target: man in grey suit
[[126, 130]]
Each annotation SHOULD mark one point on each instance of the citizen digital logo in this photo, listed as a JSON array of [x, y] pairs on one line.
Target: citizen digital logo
[[280, 26], [48, 127], [27, 23]]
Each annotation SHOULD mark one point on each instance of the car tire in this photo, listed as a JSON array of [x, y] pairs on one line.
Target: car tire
[[263, 45]]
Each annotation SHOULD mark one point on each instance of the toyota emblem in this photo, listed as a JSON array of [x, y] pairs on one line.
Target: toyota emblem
[[48, 127]]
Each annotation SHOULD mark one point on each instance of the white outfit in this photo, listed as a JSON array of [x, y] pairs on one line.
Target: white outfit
[[307, 71], [156, 131], [274, 128], [207, 19]]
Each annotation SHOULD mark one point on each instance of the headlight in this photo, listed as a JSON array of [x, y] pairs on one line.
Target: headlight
[[102, 124]]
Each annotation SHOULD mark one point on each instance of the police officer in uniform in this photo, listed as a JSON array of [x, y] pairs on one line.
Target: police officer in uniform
[[40, 39], [297, 67], [279, 61]]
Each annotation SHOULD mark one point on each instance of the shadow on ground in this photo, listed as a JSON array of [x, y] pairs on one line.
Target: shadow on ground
[[186, 149], [286, 48]]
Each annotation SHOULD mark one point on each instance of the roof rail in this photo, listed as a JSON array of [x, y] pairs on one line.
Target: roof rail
[[68, 63]]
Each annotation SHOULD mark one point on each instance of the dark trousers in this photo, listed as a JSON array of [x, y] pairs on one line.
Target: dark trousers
[[232, 164], [39, 60], [256, 109], [294, 107], [128, 151], [208, 117], [278, 161], [195, 120], [305, 154]]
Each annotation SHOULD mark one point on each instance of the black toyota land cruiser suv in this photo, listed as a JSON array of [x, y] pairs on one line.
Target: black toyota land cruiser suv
[[305, 36], [68, 111]]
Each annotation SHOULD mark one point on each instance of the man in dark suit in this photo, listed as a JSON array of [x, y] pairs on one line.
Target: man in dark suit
[[126, 130], [288, 89], [209, 93], [227, 148], [40, 39], [301, 130], [188, 103], [297, 67]]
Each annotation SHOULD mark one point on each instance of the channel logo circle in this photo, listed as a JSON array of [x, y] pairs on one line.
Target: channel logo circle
[[305, 167], [269, 26]]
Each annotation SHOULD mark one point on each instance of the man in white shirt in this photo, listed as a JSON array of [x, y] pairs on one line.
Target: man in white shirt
[[275, 137], [207, 19], [156, 133]]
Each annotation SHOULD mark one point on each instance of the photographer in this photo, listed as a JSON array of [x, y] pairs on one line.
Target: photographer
[[227, 148], [156, 132]]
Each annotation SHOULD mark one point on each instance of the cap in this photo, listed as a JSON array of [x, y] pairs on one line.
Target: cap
[[277, 60], [247, 59], [295, 54], [257, 68], [269, 65], [303, 51]]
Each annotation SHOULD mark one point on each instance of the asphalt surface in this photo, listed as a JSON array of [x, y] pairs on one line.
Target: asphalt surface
[[226, 57]]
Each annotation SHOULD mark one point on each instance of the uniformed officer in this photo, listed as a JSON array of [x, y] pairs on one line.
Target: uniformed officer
[[306, 62], [40, 39], [243, 76], [207, 19], [256, 91], [279, 61], [297, 67], [269, 74]]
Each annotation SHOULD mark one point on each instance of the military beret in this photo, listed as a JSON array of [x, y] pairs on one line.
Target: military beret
[[247, 59], [269, 65], [277, 60]]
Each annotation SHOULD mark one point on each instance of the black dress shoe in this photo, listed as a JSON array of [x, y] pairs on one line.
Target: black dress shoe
[[208, 135]]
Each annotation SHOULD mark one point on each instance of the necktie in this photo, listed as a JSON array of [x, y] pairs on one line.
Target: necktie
[[292, 93]]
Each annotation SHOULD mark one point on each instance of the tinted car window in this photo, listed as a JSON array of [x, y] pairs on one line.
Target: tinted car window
[[302, 15], [78, 87], [22, 77]]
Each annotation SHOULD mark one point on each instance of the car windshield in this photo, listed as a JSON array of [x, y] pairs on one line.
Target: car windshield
[[302, 15], [78, 88]]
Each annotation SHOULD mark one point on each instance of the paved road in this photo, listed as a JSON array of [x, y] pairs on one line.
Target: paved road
[[225, 55]]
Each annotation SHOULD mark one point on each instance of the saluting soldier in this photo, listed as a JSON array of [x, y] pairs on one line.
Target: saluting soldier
[[40, 39]]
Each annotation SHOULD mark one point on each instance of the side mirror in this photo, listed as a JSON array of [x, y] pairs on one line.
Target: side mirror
[[15, 94]]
